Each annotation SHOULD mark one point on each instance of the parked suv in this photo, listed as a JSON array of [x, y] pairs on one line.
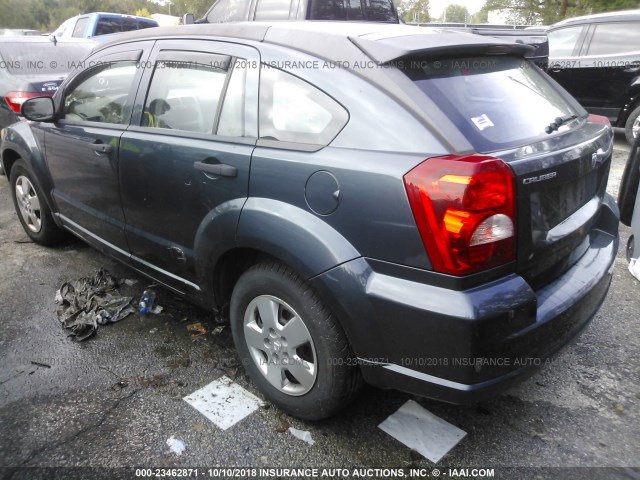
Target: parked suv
[[597, 59], [422, 209]]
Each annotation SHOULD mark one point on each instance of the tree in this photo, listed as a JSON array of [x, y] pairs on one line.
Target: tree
[[414, 11], [143, 12], [547, 12], [479, 17], [455, 14]]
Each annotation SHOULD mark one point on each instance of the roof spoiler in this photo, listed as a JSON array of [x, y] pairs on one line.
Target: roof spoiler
[[385, 50]]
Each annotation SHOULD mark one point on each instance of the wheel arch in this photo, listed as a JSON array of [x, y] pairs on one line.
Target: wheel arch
[[273, 230]]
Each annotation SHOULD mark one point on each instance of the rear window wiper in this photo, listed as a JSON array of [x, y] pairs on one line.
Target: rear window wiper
[[558, 122]]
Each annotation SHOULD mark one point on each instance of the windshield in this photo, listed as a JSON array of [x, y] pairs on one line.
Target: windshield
[[42, 58], [495, 101]]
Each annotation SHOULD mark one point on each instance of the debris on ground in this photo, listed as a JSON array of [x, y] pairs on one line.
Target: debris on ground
[[218, 330], [147, 301], [196, 329], [199, 427], [91, 301], [634, 267], [45, 365], [176, 445], [302, 435], [284, 424], [224, 402], [421, 430]]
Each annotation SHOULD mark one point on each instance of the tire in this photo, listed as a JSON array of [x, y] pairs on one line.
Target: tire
[[32, 208], [313, 373], [632, 126]]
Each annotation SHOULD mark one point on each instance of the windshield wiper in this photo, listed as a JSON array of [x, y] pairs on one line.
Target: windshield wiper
[[558, 122]]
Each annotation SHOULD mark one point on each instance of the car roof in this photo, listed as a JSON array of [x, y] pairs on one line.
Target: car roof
[[43, 39], [113, 14], [379, 41], [619, 16]]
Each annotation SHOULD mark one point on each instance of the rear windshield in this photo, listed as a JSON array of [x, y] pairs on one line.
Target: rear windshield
[[353, 10], [495, 101], [42, 58]]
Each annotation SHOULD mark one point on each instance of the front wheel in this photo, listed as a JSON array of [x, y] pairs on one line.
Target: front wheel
[[292, 346], [32, 208], [632, 126]]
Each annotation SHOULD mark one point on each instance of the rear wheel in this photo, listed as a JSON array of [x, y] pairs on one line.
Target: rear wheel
[[292, 346], [632, 126], [32, 209]]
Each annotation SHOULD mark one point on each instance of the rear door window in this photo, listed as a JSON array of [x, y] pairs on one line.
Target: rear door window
[[496, 102], [615, 38]]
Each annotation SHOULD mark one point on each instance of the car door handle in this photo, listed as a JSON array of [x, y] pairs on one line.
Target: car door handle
[[220, 169], [101, 148]]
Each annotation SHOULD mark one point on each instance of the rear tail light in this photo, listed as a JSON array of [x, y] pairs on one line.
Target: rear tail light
[[464, 207], [16, 99], [599, 119]]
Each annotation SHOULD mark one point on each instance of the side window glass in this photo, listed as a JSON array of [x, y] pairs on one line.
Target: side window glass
[[129, 24], [291, 110], [381, 11], [228, 11], [272, 10], [184, 96], [108, 25], [102, 96], [563, 41], [144, 24], [78, 30], [231, 122], [615, 38]]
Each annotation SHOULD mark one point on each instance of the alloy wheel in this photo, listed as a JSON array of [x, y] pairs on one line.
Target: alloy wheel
[[280, 345], [28, 204]]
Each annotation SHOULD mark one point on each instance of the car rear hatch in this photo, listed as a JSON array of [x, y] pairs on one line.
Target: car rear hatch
[[560, 157]]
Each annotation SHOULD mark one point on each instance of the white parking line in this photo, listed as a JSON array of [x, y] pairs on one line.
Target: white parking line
[[417, 428], [223, 402]]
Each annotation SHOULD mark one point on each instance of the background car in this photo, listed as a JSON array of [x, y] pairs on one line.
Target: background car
[[18, 31], [629, 201], [101, 23], [223, 11], [34, 66], [597, 59], [419, 209]]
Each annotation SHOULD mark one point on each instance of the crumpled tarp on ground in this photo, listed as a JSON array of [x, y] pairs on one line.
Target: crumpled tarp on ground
[[89, 301]]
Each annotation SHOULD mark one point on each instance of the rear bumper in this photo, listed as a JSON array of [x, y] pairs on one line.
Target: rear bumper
[[461, 346]]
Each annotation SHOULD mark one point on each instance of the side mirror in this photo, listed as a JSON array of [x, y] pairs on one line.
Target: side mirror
[[187, 19], [38, 109]]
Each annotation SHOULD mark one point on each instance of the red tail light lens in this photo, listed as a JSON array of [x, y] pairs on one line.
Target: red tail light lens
[[599, 119], [464, 208], [16, 99]]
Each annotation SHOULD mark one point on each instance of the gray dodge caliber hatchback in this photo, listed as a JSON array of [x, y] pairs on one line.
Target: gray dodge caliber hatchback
[[419, 209]]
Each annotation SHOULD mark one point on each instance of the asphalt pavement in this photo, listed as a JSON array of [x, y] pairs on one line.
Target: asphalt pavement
[[115, 399]]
